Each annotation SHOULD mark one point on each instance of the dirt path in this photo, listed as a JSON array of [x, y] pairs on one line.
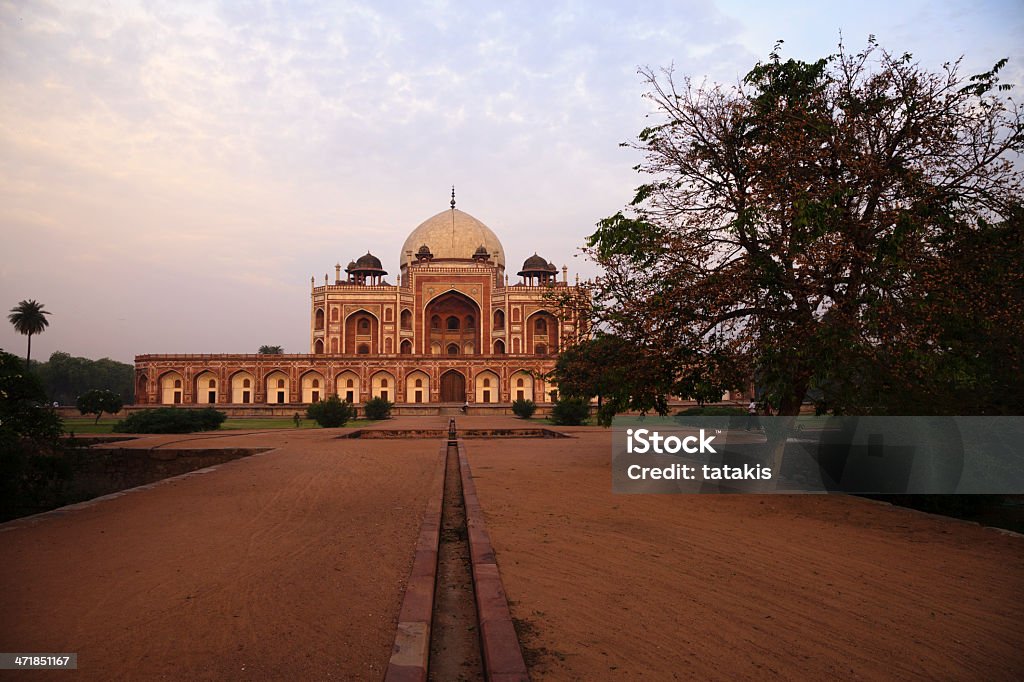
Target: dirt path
[[739, 587], [287, 565]]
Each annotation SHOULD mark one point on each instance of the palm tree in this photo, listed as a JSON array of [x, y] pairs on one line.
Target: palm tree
[[271, 350], [28, 317]]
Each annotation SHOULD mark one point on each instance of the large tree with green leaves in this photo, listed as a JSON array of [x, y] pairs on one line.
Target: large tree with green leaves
[[97, 401], [66, 377], [790, 223], [620, 374], [28, 318]]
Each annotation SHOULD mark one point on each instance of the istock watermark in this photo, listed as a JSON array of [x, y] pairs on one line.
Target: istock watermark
[[652, 441], [880, 455]]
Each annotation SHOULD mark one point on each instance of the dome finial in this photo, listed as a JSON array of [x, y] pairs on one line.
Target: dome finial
[[453, 197]]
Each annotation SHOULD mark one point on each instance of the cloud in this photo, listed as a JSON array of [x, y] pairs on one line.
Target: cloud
[[172, 164]]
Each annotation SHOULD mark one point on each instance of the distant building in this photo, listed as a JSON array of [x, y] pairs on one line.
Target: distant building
[[451, 330]]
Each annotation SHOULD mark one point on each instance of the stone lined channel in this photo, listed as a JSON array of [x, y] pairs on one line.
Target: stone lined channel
[[466, 433], [454, 634]]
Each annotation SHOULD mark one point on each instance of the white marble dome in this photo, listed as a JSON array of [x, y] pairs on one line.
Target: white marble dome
[[452, 234]]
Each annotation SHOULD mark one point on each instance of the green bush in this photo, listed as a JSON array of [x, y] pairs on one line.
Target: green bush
[[524, 408], [378, 408], [171, 420], [331, 413], [570, 411]]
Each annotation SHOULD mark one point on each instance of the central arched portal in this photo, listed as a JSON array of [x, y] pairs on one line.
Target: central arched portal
[[452, 322], [453, 387]]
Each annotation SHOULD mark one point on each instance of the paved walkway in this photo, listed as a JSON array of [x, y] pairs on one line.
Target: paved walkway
[[285, 565]]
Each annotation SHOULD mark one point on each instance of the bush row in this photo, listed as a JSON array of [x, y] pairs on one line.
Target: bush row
[[171, 420]]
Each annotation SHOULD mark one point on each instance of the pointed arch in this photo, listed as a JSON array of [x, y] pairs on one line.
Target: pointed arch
[[346, 385], [277, 386], [417, 387], [206, 388], [520, 385], [382, 385], [488, 387], [243, 387], [453, 386], [362, 330], [141, 389], [541, 333], [454, 318], [313, 386], [172, 388]]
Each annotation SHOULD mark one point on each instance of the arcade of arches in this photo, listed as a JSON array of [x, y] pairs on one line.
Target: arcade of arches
[[416, 386]]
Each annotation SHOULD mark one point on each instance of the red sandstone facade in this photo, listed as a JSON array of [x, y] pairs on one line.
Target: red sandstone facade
[[452, 330]]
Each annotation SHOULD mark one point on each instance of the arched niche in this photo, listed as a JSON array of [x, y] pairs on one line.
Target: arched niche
[[453, 319]]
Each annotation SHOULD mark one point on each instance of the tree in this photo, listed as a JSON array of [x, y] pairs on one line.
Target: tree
[[65, 377], [98, 401], [621, 374], [332, 412], [271, 350], [961, 351], [30, 452], [28, 318], [790, 221]]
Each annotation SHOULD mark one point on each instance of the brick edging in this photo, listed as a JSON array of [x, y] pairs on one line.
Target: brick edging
[[411, 649], [503, 657]]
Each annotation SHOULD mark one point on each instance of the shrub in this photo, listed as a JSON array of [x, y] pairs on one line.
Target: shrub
[[331, 413], [378, 408], [171, 420], [570, 411], [524, 408], [97, 401], [32, 468]]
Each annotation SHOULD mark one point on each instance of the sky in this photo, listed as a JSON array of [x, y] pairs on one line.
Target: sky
[[172, 175]]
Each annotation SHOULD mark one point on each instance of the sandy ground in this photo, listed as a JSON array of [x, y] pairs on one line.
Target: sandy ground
[[739, 587], [291, 565], [286, 565]]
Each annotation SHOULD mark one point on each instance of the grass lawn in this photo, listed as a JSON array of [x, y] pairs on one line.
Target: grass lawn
[[106, 425]]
